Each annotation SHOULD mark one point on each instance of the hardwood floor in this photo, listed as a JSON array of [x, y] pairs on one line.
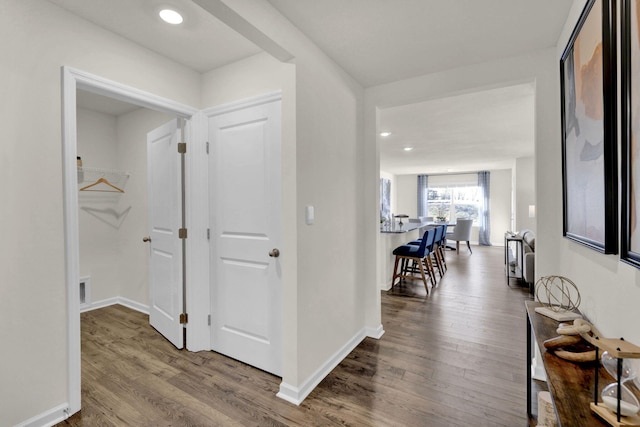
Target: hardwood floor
[[453, 358]]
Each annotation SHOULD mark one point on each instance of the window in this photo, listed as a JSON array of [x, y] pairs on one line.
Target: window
[[453, 202], [450, 197]]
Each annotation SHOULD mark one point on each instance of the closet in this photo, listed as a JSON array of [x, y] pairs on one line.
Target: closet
[[112, 200]]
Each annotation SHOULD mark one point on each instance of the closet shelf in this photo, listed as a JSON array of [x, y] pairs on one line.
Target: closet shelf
[[101, 179]]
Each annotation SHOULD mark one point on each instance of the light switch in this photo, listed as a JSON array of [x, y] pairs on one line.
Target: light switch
[[310, 215]]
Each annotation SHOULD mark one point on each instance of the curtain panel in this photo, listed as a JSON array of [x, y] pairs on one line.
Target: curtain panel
[[423, 185], [484, 231]]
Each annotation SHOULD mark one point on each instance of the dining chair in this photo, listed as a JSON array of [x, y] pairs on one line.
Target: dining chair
[[461, 233]]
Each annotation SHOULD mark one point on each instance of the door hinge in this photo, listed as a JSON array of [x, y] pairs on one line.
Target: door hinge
[[207, 147], [184, 318], [182, 147], [209, 320], [208, 234], [182, 233]]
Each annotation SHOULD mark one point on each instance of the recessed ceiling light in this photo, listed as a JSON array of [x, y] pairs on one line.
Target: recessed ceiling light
[[385, 133], [408, 148], [170, 16]]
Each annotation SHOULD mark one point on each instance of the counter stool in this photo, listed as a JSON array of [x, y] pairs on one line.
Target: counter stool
[[419, 256], [437, 250]]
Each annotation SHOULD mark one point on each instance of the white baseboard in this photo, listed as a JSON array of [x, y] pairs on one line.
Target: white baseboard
[[48, 418], [296, 395], [290, 394], [376, 333], [99, 304], [385, 286], [134, 305]]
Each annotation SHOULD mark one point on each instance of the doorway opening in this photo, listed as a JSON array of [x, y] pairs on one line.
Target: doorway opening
[[73, 82], [112, 198]]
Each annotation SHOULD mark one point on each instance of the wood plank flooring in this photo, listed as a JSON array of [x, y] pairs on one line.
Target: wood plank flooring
[[453, 358]]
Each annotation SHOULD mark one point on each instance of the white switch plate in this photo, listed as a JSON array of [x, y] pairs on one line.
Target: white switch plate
[[310, 215]]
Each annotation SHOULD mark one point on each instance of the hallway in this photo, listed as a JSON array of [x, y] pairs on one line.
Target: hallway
[[454, 358]]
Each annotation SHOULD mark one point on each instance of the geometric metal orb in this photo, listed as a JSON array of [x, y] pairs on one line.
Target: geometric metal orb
[[557, 293]]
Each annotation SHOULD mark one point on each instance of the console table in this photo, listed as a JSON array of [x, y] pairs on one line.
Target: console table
[[570, 384], [513, 240]]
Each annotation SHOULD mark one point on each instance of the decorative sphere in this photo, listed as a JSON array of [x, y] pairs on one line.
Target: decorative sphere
[[557, 293]]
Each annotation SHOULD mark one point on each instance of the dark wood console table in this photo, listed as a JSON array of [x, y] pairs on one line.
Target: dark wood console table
[[570, 384]]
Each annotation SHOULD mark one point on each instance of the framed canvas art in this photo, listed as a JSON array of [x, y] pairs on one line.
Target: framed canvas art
[[385, 198], [589, 153], [630, 107]]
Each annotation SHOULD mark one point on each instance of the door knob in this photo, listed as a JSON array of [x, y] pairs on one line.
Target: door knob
[[146, 239], [274, 253]]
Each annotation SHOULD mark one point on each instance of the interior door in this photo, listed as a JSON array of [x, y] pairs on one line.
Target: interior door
[[245, 208], [165, 219]]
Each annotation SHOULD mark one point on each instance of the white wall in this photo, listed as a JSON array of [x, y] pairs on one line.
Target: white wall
[[329, 272], [407, 195], [500, 194], [97, 145], [610, 289], [131, 211], [256, 75], [43, 38], [333, 299], [525, 194]]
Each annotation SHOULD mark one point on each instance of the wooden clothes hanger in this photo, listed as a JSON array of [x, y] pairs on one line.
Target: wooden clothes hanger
[[103, 181]]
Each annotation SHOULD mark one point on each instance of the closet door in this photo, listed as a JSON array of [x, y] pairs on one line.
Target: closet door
[[245, 217], [165, 219]]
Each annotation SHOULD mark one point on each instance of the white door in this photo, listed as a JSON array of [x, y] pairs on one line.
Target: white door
[[165, 219], [245, 217]]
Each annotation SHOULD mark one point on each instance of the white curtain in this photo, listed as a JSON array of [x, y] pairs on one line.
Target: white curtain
[[484, 232], [423, 185]]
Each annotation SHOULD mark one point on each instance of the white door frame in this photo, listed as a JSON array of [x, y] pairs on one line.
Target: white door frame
[[72, 80]]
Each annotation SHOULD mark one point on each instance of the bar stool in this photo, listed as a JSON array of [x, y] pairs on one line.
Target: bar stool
[[437, 249], [437, 253], [442, 247], [420, 258]]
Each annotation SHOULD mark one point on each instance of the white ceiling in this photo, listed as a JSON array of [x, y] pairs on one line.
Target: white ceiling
[[376, 42], [475, 131], [202, 42], [103, 104], [380, 41]]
